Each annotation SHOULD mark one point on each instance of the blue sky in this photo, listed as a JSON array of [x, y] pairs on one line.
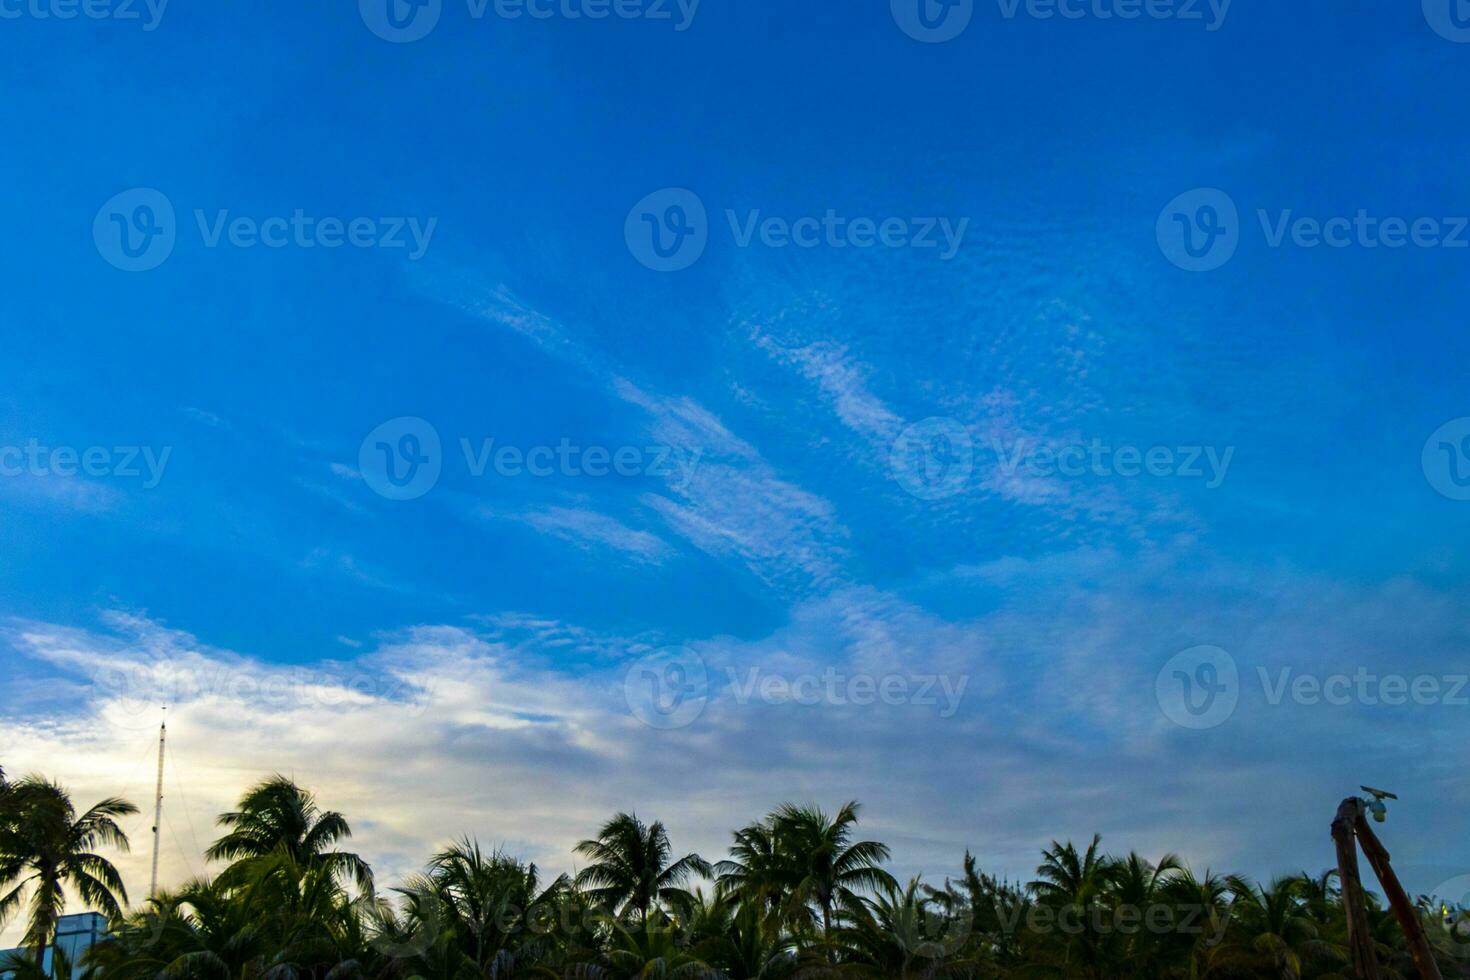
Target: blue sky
[[765, 395]]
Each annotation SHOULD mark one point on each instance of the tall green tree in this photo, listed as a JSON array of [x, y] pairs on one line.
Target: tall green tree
[[756, 870], [1276, 930], [631, 871], [45, 847], [277, 815], [826, 866], [1074, 885]]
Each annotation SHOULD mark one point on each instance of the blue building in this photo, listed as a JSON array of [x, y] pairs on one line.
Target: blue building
[[74, 934]]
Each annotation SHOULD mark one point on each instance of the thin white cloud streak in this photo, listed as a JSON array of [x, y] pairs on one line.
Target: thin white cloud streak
[[736, 506], [592, 531]]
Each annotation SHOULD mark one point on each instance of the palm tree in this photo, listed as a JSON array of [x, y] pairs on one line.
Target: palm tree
[[1076, 883], [1319, 895], [994, 909], [909, 933], [494, 904], [826, 867], [1204, 902], [1276, 928], [630, 869], [45, 847], [756, 870], [277, 815], [738, 937], [21, 967], [1141, 888], [652, 951]]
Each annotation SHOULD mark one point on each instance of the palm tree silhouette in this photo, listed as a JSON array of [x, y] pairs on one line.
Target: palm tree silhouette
[[277, 815], [630, 870], [45, 848], [825, 867]]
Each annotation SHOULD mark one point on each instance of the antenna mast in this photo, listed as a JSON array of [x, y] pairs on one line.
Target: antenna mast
[[158, 806]]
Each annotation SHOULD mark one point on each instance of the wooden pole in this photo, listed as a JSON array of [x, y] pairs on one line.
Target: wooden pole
[[1408, 918], [1360, 943]]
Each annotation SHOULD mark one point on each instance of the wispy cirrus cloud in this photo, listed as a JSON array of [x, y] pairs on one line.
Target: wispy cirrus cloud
[[735, 507], [590, 530]]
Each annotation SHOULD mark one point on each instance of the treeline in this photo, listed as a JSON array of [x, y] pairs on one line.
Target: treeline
[[799, 894]]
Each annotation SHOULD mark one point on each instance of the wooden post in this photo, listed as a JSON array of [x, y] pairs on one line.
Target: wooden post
[[1408, 917], [1360, 943]]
